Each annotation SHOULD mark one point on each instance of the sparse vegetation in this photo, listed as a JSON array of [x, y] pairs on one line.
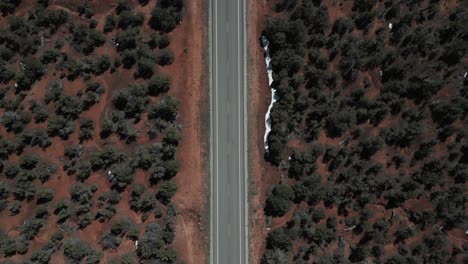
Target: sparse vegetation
[[375, 95], [75, 134]]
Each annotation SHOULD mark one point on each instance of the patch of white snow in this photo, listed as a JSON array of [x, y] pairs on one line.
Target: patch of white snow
[[274, 98]]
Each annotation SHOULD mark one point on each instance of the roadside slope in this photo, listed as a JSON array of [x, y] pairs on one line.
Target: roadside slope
[[190, 86], [259, 96]]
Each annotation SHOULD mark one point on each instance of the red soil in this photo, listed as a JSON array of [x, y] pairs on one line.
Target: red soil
[[190, 86], [262, 175], [187, 71]]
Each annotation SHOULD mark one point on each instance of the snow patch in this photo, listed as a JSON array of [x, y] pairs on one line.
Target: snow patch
[[111, 176], [390, 25], [265, 44]]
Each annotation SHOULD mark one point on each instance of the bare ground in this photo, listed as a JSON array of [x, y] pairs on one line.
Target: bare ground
[[261, 174], [189, 85]]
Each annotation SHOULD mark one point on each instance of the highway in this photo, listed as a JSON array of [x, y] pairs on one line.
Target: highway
[[228, 137]]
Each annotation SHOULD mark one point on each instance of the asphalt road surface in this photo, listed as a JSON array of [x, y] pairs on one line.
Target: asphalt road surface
[[228, 155]]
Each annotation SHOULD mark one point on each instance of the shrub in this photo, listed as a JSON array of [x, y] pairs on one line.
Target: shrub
[[60, 126], [40, 112], [86, 129], [165, 57], [49, 56], [68, 106], [53, 91], [337, 123], [45, 196], [166, 192], [158, 85], [278, 238], [93, 23], [10, 169], [109, 240], [153, 41], [8, 244], [41, 212], [84, 170], [44, 171], [123, 175], [29, 161], [144, 68], [164, 41], [101, 64], [369, 146], [342, 26], [279, 201], [127, 39], [162, 20], [62, 211], [109, 23], [165, 110], [6, 148], [31, 228], [106, 157], [123, 5], [127, 258], [129, 58], [51, 19], [128, 19], [15, 208], [15, 121], [85, 8], [132, 100], [32, 71], [9, 6], [6, 74], [172, 136], [76, 250], [22, 245], [276, 256], [152, 247], [85, 39]]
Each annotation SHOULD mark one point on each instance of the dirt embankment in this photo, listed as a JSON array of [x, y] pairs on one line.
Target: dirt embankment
[[190, 86], [261, 173]]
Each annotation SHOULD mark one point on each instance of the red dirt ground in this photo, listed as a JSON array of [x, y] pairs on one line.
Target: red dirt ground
[[262, 175], [189, 86]]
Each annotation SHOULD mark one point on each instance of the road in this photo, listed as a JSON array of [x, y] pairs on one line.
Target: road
[[228, 150]]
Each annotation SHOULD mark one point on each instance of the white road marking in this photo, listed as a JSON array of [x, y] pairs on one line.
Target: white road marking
[[216, 133], [240, 133]]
